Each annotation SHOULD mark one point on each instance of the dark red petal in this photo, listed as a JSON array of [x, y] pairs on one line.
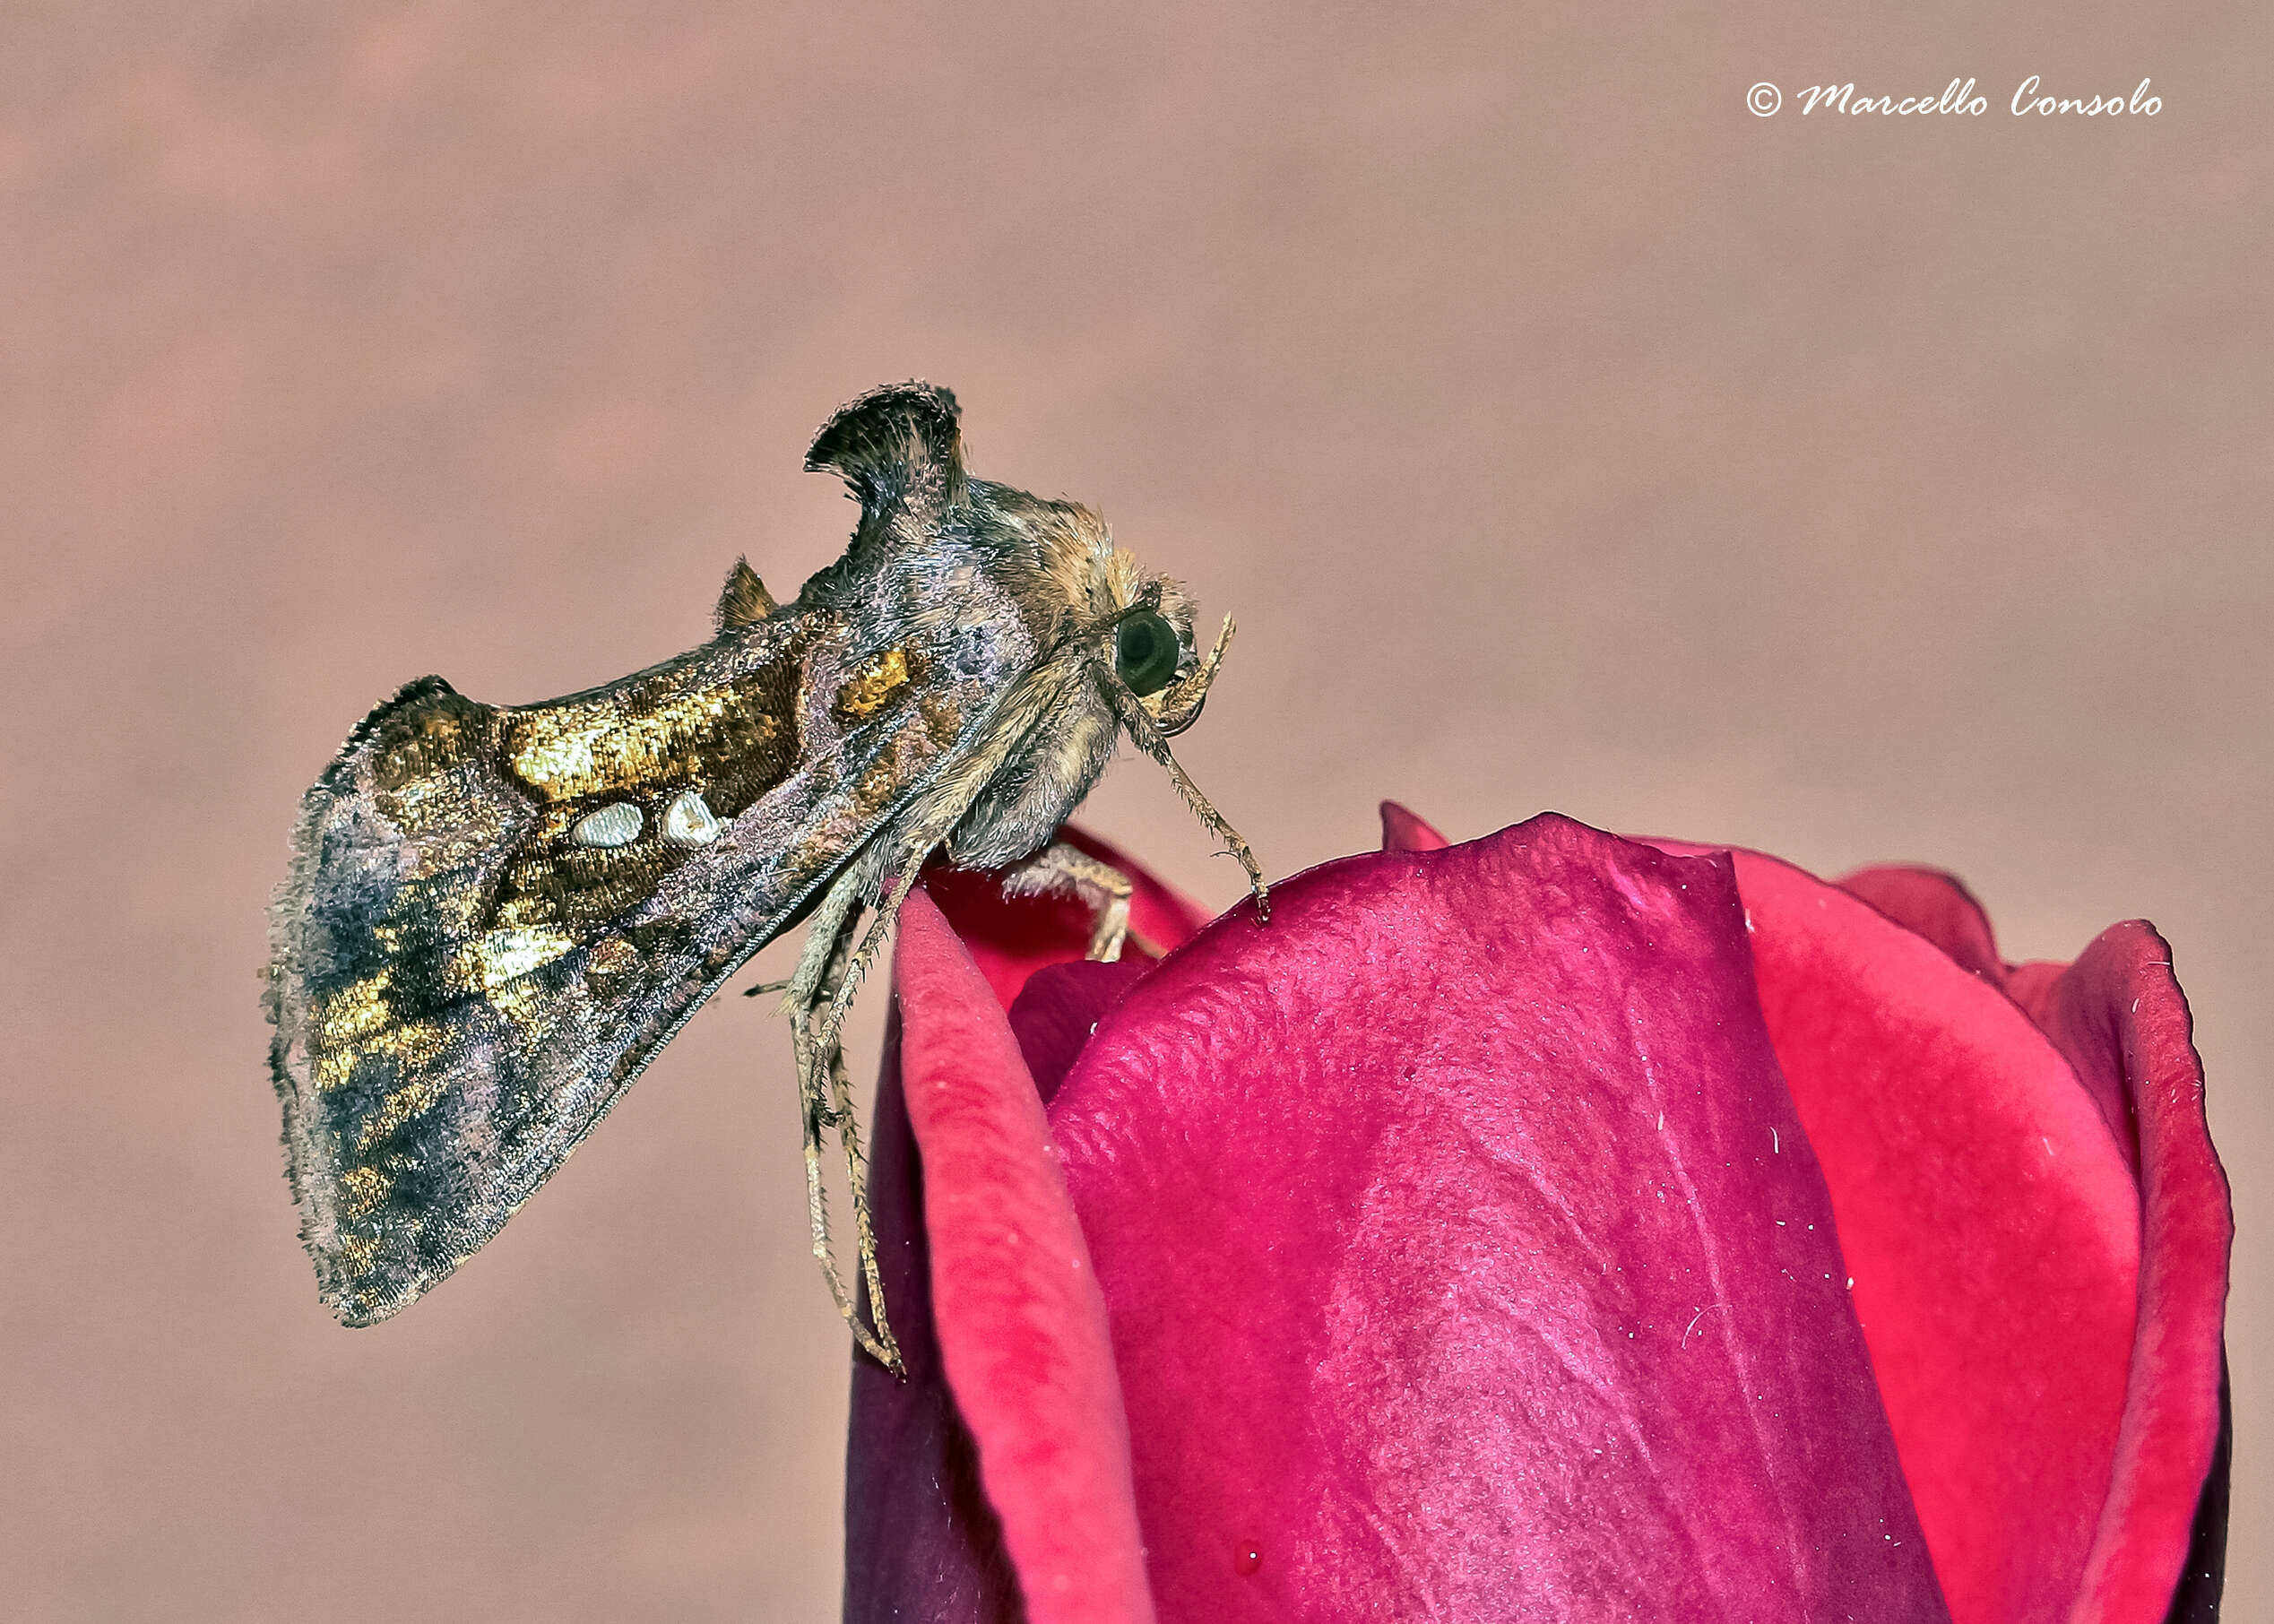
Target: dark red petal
[[1465, 1259], [2028, 985], [1058, 1009], [923, 1546], [2118, 1015], [1939, 908], [2202, 1581], [1989, 1222], [1011, 937], [2122, 1022], [1404, 831], [1020, 1326]]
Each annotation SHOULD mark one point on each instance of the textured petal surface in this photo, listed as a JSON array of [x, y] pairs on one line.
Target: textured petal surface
[[2033, 1364], [1020, 1330], [1466, 1259]]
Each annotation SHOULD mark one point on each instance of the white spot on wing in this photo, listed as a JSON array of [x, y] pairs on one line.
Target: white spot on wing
[[688, 820], [616, 825]]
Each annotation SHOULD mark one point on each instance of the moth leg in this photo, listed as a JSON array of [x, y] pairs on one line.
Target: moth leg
[[1153, 743], [885, 1346], [831, 925], [833, 1004], [1059, 869], [820, 1067], [840, 999]]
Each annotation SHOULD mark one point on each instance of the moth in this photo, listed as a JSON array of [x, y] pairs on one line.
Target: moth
[[496, 916]]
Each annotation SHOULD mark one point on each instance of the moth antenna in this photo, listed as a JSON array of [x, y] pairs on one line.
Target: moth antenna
[[1147, 734]]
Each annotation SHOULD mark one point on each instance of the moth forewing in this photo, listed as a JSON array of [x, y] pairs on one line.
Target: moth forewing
[[468, 973], [496, 916]]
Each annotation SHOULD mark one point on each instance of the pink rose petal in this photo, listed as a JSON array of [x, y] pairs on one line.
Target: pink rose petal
[[2118, 1015], [2119, 1019], [1404, 831], [1465, 1258], [923, 1546], [1994, 1286], [1989, 1222], [1938, 907], [1060, 1008], [1021, 1329]]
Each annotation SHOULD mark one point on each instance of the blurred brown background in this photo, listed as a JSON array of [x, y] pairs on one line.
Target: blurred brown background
[[1564, 436]]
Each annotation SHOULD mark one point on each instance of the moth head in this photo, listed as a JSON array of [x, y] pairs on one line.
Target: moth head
[[1154, 680], [1152, 655]]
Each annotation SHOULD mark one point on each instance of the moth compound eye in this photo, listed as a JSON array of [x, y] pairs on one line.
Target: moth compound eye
[[1145, 653]]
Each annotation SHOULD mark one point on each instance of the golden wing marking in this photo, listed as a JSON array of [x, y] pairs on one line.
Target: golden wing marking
[[435, 1056]]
